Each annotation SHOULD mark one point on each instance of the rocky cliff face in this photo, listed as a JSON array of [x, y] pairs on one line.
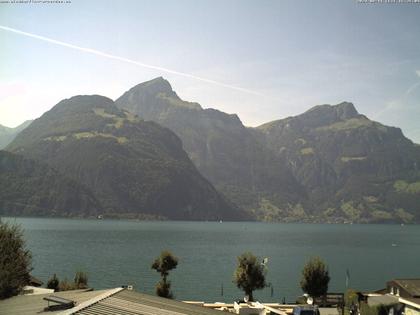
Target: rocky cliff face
[[224, 151], [328, 164]]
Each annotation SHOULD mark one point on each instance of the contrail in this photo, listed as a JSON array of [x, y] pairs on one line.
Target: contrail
[[134, 62]]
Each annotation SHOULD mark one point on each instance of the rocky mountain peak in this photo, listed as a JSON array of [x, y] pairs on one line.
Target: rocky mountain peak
[[152, 98], [322, 115], [154, 87], [346, 110]]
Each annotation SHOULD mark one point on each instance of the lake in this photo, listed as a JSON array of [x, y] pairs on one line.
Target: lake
[[117, 252]]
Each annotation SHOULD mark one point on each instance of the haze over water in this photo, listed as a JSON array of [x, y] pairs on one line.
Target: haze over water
[[116, 252]]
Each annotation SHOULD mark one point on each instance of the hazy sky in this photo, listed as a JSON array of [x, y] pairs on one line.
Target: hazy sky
[[287, 56]]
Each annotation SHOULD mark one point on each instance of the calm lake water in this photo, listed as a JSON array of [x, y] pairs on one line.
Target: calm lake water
[[115, 252]]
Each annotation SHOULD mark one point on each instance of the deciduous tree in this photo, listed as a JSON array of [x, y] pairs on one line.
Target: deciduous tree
[[249, 274], [315, 278], [163, 264]]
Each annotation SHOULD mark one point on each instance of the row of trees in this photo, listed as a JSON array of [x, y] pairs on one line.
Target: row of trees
[[250, 275]]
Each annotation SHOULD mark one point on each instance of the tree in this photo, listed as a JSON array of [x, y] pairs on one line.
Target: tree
[[249, 274], [315, 278], [15, 260], [163, 264], [53, 283], [80, 280]]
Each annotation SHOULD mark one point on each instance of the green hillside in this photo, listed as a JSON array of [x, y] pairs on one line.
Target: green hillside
[[31, 188], [134, 168], [351, 167]]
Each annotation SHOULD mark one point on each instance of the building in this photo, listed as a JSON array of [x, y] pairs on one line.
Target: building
[[405, 288], [400, 295], [125, 301], [88, 302], [411, 306], [408, 293]]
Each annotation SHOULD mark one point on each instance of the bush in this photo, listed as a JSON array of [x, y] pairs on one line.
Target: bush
[[53, 283], [66, 285], [163, 289], [81, 280], [15, 260]]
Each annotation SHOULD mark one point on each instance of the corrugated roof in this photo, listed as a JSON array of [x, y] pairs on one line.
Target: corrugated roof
[[35, 304], [103, 302], [412, 286], [132, 303]]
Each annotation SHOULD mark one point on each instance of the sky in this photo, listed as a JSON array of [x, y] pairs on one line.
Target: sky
[[263, 60]]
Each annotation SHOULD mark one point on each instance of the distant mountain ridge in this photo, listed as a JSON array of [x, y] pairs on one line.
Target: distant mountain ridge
[[132, 167], [329, 164], [8, 134], [126, 159]]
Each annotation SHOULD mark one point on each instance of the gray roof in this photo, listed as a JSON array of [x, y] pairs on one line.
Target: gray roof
[[382, 299], [130, 303], [113, 301], [35, 304], [412, 286]]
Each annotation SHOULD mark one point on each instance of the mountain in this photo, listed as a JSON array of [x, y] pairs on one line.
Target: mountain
[[223, 149], [8, 134], [329, 164], [134, 168], [28, 187], [351, 167]]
